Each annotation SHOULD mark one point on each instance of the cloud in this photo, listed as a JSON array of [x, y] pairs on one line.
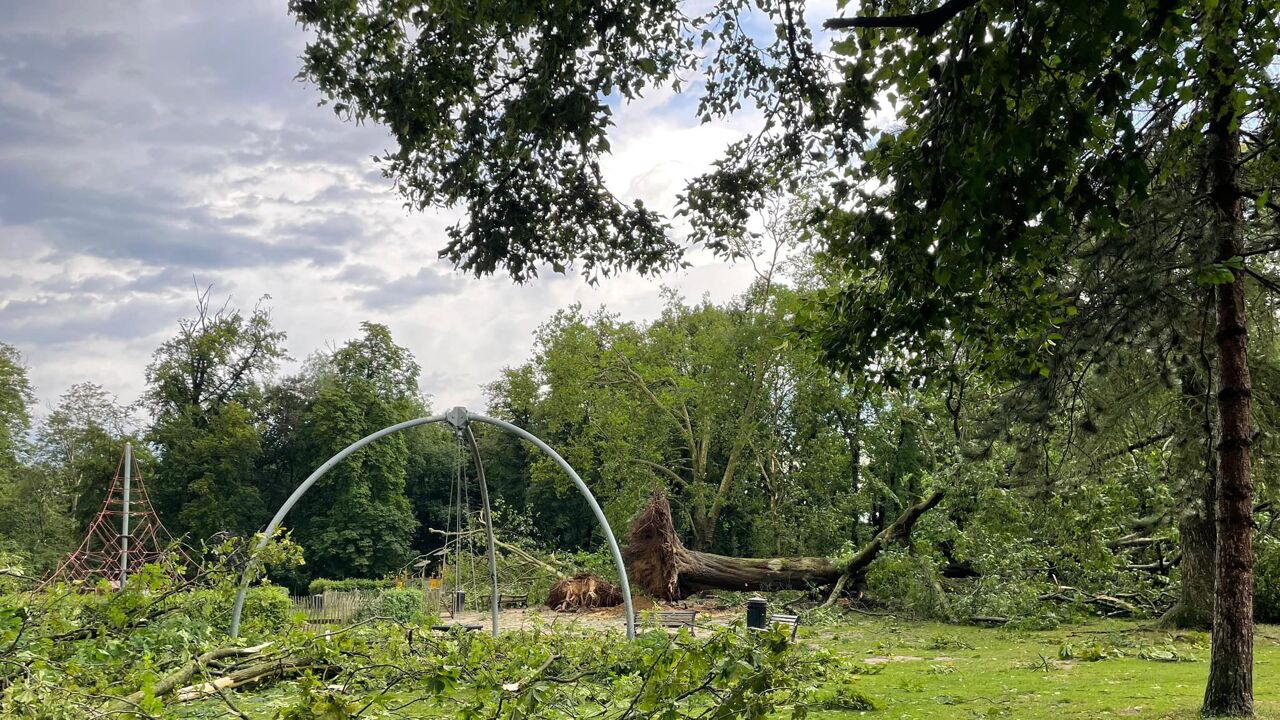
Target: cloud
[[361, 274], [408, 290], [52, 321], [147, 145]]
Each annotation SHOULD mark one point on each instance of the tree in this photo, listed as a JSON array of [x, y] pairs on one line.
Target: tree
[[30, 522], [1111, 89], [33, 523], [433, 455], [205, 393], [742, 432], [15, 399], [79, 444], [512, 397], [680, 402], [357, 520]]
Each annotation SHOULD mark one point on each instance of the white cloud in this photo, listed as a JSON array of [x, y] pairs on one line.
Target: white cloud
[[144, 145]]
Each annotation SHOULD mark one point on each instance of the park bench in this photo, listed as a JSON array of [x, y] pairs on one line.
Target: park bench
[[506, 601], [785, 620], [678, 619]]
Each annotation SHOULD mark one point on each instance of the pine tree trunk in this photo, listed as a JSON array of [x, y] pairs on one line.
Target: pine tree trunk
[[1197, 527], [1230, 688], [1197, 531]]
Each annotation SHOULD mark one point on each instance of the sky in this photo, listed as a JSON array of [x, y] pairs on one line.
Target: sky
[[148, 147]]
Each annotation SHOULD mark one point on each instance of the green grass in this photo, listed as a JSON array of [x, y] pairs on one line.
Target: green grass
[[966, 672], [1112, 669]]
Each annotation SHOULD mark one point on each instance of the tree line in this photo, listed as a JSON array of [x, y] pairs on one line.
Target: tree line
[[226, 440], [762, 450]]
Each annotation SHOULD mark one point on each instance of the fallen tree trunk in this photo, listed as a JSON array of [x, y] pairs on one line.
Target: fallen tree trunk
[[658, 562]]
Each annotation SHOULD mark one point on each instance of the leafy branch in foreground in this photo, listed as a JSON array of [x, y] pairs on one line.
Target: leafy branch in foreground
[[158, 650]]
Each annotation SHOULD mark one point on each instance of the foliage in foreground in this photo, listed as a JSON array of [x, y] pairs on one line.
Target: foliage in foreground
[[153, 650]]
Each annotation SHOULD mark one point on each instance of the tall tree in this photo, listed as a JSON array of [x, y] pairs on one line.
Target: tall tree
[[80, 444], [681, 401], [204, 391], [357, 521], [31, 522], [15, 400], [1230, 689], [1049, 149]]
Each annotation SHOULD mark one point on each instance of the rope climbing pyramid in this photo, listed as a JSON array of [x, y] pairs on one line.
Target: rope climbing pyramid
[[125, 534]]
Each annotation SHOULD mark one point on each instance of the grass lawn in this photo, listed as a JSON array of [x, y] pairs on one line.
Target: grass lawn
[[932, 670]]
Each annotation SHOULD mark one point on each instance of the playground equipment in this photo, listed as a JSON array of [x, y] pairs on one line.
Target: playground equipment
[[460, 507], [460, 419], [125, 534]]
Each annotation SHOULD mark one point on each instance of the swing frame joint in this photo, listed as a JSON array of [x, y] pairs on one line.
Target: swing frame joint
[[458, 417]]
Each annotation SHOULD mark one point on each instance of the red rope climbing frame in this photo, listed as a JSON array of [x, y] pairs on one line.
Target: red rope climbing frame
[[98, 556]]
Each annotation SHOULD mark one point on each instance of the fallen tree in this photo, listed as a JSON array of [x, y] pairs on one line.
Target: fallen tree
[[658, 562]]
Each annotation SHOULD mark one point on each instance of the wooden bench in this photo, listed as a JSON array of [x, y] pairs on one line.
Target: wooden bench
[[784, 620], [506, 601], [677, 619]]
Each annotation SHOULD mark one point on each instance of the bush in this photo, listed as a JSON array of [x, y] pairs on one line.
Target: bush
[[406, 605], [1266, 580], [321, 586], [902, 582], [267, 609]]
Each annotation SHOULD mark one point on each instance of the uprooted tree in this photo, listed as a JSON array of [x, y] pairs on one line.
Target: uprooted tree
[[658, 562], [583, 591]]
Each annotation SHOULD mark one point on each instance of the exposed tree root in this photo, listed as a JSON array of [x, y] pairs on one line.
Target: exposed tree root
[[583, 591], [658, 562]]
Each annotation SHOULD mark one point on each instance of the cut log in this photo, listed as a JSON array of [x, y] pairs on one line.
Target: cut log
[[658, 562]]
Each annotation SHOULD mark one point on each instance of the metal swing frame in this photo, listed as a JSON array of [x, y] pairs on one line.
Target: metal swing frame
[[460, 418]]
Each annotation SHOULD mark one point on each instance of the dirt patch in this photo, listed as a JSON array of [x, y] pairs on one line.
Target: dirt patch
[[884, 659]]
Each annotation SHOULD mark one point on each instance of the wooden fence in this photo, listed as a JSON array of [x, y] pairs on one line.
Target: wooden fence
[[331, 608], [342, 607]]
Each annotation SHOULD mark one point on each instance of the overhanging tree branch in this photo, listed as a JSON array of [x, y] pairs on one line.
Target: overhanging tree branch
[[924, 23]]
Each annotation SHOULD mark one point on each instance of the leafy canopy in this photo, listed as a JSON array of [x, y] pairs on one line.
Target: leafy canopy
[[1019, 125]]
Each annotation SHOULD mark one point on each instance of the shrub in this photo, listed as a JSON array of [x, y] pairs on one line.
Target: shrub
[[406, 605], [321, 586], [267, 609]]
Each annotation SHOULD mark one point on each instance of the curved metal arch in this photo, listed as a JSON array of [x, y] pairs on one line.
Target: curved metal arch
[[459, 417]]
